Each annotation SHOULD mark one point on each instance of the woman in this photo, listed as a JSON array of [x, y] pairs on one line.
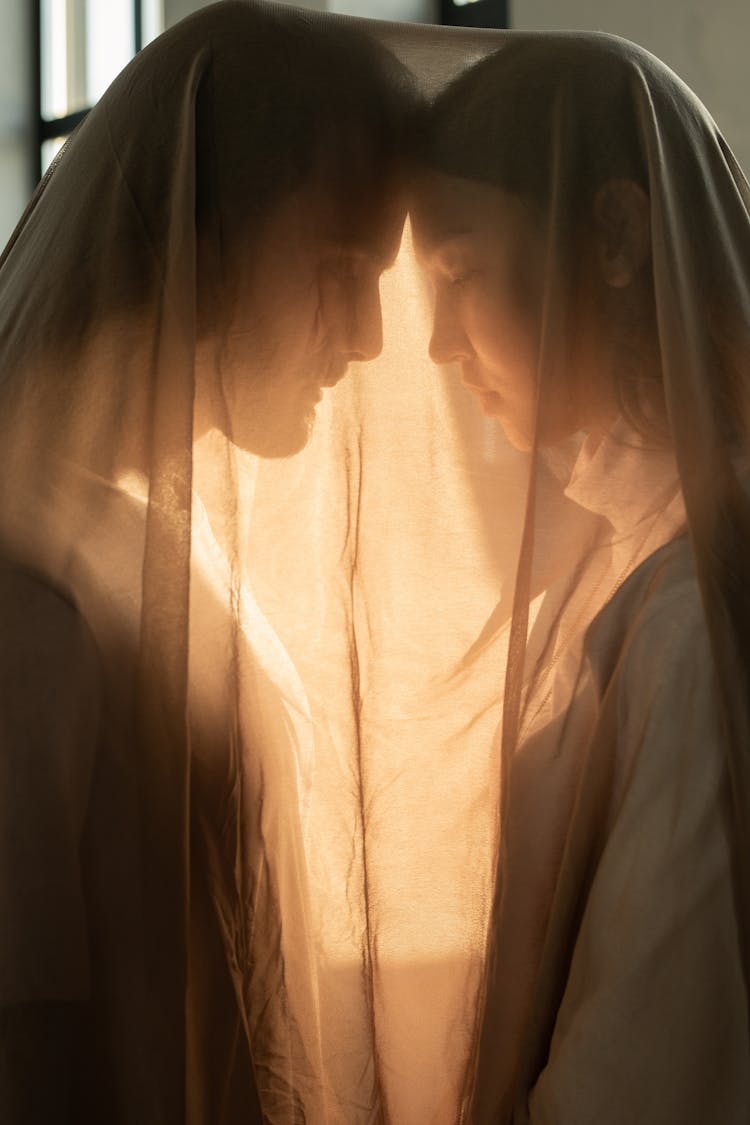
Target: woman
[[587, 234], [201, 264]]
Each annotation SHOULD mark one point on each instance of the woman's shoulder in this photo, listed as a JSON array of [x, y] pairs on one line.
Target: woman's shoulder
[[657, 613]]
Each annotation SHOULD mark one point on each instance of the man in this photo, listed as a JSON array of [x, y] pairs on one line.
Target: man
[[204, 260]]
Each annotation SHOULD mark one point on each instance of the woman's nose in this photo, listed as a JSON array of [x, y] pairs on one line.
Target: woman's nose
[[448, 342]]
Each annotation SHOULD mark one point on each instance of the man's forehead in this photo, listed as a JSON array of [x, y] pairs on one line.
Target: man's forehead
[[376, 237]]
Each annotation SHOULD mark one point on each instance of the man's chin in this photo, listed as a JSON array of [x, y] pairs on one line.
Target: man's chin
[[278, 439]]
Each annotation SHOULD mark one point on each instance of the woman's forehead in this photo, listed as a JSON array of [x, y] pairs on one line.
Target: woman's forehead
[[447, 209]]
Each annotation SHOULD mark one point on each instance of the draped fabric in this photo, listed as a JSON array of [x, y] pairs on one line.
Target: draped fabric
[[374, 528]]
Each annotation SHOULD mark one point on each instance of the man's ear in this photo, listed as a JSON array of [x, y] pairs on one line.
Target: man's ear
[[622, 225]]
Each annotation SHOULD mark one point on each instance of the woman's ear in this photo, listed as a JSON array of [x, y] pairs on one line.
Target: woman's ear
[[623, 231]]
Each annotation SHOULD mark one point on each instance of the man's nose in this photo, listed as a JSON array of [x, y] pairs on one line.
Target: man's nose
[[448, 342], [364, 327]]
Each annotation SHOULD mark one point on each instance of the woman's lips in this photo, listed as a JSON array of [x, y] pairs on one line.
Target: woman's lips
[[490, 401]]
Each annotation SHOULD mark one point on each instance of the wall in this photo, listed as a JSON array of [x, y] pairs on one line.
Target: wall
[[419, 11], [412, 11], [15, 113], [704, 41], [175, 10]]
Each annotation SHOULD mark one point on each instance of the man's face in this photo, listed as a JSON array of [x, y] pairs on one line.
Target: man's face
[[307, 305]]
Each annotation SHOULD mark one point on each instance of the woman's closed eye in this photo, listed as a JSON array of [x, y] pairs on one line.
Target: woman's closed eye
[[463, 277]]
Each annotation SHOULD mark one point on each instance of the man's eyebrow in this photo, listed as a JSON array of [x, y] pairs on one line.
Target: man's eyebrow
[[372, 251], [384, 260]]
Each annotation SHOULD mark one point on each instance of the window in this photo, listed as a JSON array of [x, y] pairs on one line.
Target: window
[[81, 45]]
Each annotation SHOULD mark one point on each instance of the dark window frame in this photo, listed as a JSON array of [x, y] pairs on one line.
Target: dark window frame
[[483, 13]]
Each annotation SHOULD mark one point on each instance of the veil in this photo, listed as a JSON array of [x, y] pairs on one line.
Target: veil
[[368, 756]]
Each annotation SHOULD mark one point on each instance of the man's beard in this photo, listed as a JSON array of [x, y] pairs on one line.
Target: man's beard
[[274, 433]]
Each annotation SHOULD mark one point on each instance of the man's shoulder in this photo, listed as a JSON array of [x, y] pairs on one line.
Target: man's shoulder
[[42, 632]]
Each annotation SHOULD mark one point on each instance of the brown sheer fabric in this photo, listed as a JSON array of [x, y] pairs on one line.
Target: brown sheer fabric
[[365, 758]]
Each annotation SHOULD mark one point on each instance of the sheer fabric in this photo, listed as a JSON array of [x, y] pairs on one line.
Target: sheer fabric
[[365, 758]]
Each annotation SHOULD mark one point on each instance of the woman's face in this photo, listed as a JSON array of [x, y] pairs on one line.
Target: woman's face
[[485, 253]]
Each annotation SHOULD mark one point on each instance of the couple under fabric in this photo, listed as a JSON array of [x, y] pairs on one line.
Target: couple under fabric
[[375, 723]]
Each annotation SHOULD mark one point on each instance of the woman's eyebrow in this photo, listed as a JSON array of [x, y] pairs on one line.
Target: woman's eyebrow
[[456, 233], [455, 238], [449, 243]]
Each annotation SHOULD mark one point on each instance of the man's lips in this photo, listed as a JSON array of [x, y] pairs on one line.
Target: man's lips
[[318, 383], [334, 376]]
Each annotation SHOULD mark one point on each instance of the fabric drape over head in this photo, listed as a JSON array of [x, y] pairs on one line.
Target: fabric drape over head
[[374, 525]]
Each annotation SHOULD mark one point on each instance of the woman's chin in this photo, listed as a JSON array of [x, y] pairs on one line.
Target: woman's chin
[[493, 406], [490, 404]]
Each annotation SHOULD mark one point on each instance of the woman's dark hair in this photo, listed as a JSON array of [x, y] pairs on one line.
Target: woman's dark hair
[[500, 121]]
